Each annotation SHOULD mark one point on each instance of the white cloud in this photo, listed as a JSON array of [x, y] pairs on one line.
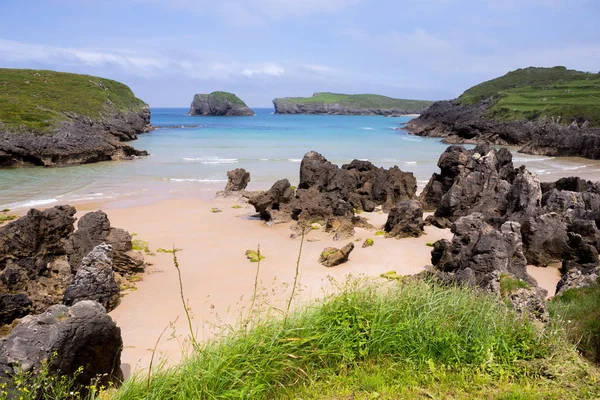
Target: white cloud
[[270, 70]]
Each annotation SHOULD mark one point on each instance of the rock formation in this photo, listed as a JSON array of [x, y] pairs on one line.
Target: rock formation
[[68, 338], [94, 280], [329, 195], [331, 256], [219, 104], [237, 180], [405, 220], [40, 253], [86, 119]]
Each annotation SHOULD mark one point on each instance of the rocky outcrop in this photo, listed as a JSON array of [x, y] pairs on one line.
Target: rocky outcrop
[[405, 220], [94, 229], [331, 256], [219, 104], [465, 123], [342, 104], [40, 253], [69, 134], [94, 280], [576, 278], [237, 180], [68, 338], [329, 195]]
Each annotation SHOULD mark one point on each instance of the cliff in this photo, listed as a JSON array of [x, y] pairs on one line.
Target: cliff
[[219, 104], [546, 111], [53, 118], [344, 104]]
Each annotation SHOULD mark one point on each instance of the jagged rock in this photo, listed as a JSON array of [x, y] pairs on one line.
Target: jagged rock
[[275, 205], [483, 249], [572, 184], [405, 220], [94, 280], [575, 278], [237, 180], [331, 256], [94, 229], [341, 228], [69, 338], [530, 302], [48, 289], [13, 306], [219, 104]]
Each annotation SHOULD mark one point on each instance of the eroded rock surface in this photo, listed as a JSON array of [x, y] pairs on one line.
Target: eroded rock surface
[[331, 256]]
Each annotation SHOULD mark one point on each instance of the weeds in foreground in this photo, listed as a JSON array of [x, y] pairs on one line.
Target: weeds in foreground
[[296, 274], [183, 301]]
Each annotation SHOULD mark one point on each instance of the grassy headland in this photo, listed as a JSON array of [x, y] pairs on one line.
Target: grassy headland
[[357, 102], [37, 100], [532, 93]]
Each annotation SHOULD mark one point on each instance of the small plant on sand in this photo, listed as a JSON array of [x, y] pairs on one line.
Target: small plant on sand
[[391, 275], [133, 234], [5, 210], [140, 245], [236, 206], [6, 218], [254, 256], [368, 243], [429, 244], [380, 233], [315, 226], [215, 210], [161, 250]]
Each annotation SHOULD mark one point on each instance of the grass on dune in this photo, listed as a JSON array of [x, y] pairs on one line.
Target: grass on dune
[[400, 340]]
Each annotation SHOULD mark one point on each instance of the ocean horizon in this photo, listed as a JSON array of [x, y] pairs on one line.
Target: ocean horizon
[[190, 157]]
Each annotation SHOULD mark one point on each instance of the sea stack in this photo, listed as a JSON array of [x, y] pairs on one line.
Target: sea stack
[[219, 104], [52, 118]]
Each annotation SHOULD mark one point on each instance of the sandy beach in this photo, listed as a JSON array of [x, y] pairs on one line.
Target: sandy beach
[[218, 279]]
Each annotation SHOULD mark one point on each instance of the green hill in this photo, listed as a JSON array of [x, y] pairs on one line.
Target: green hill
[[532, 93], [36, 100]]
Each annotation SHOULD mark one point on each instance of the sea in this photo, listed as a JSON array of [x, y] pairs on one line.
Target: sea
[[190, 157]]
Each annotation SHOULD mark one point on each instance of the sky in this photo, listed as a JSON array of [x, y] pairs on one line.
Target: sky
[[168, 50]]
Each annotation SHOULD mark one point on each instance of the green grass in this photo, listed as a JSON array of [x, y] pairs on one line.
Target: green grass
[[6, 218], [140, 245], [414, 340], [509, 284], [366, 101], [579, 309], [532, 93], [254, 255], [37, 100]]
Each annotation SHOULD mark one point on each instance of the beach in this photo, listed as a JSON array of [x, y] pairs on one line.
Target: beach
[[218, 280]]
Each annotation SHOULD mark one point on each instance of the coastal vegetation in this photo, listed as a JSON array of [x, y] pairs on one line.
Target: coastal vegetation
[[38, 100], [532, 93]]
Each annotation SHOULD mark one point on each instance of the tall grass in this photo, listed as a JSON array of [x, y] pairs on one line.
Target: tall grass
[[418, 326]]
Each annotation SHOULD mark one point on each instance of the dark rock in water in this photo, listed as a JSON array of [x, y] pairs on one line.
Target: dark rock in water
[[331, 256], [405, 220], [237, 180], [68, 338], [94, 280], [483, 249], [13, 306], [94, 229], [219, 104]]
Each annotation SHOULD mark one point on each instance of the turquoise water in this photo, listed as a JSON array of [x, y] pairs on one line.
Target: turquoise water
[[190, 156]]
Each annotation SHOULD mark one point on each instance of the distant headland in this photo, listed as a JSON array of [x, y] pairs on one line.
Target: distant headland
[[349, 104], [219, 104], [50, 118], [547, 111]]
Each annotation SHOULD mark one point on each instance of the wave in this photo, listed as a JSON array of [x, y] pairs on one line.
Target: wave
[[294, 159], [30, 203], [197, 180], [264, 159], [211, 160], [367, 128], [573, 168], [531, 159], [412, 139], [409, 162]]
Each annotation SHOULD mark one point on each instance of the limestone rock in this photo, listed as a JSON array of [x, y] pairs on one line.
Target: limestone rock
[[331, 256], [68, 337], [405, 220], [237, 180], [94, 280], [219, 104], [13, 306]]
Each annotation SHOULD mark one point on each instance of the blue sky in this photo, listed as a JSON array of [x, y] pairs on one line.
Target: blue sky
[[167, 50]]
